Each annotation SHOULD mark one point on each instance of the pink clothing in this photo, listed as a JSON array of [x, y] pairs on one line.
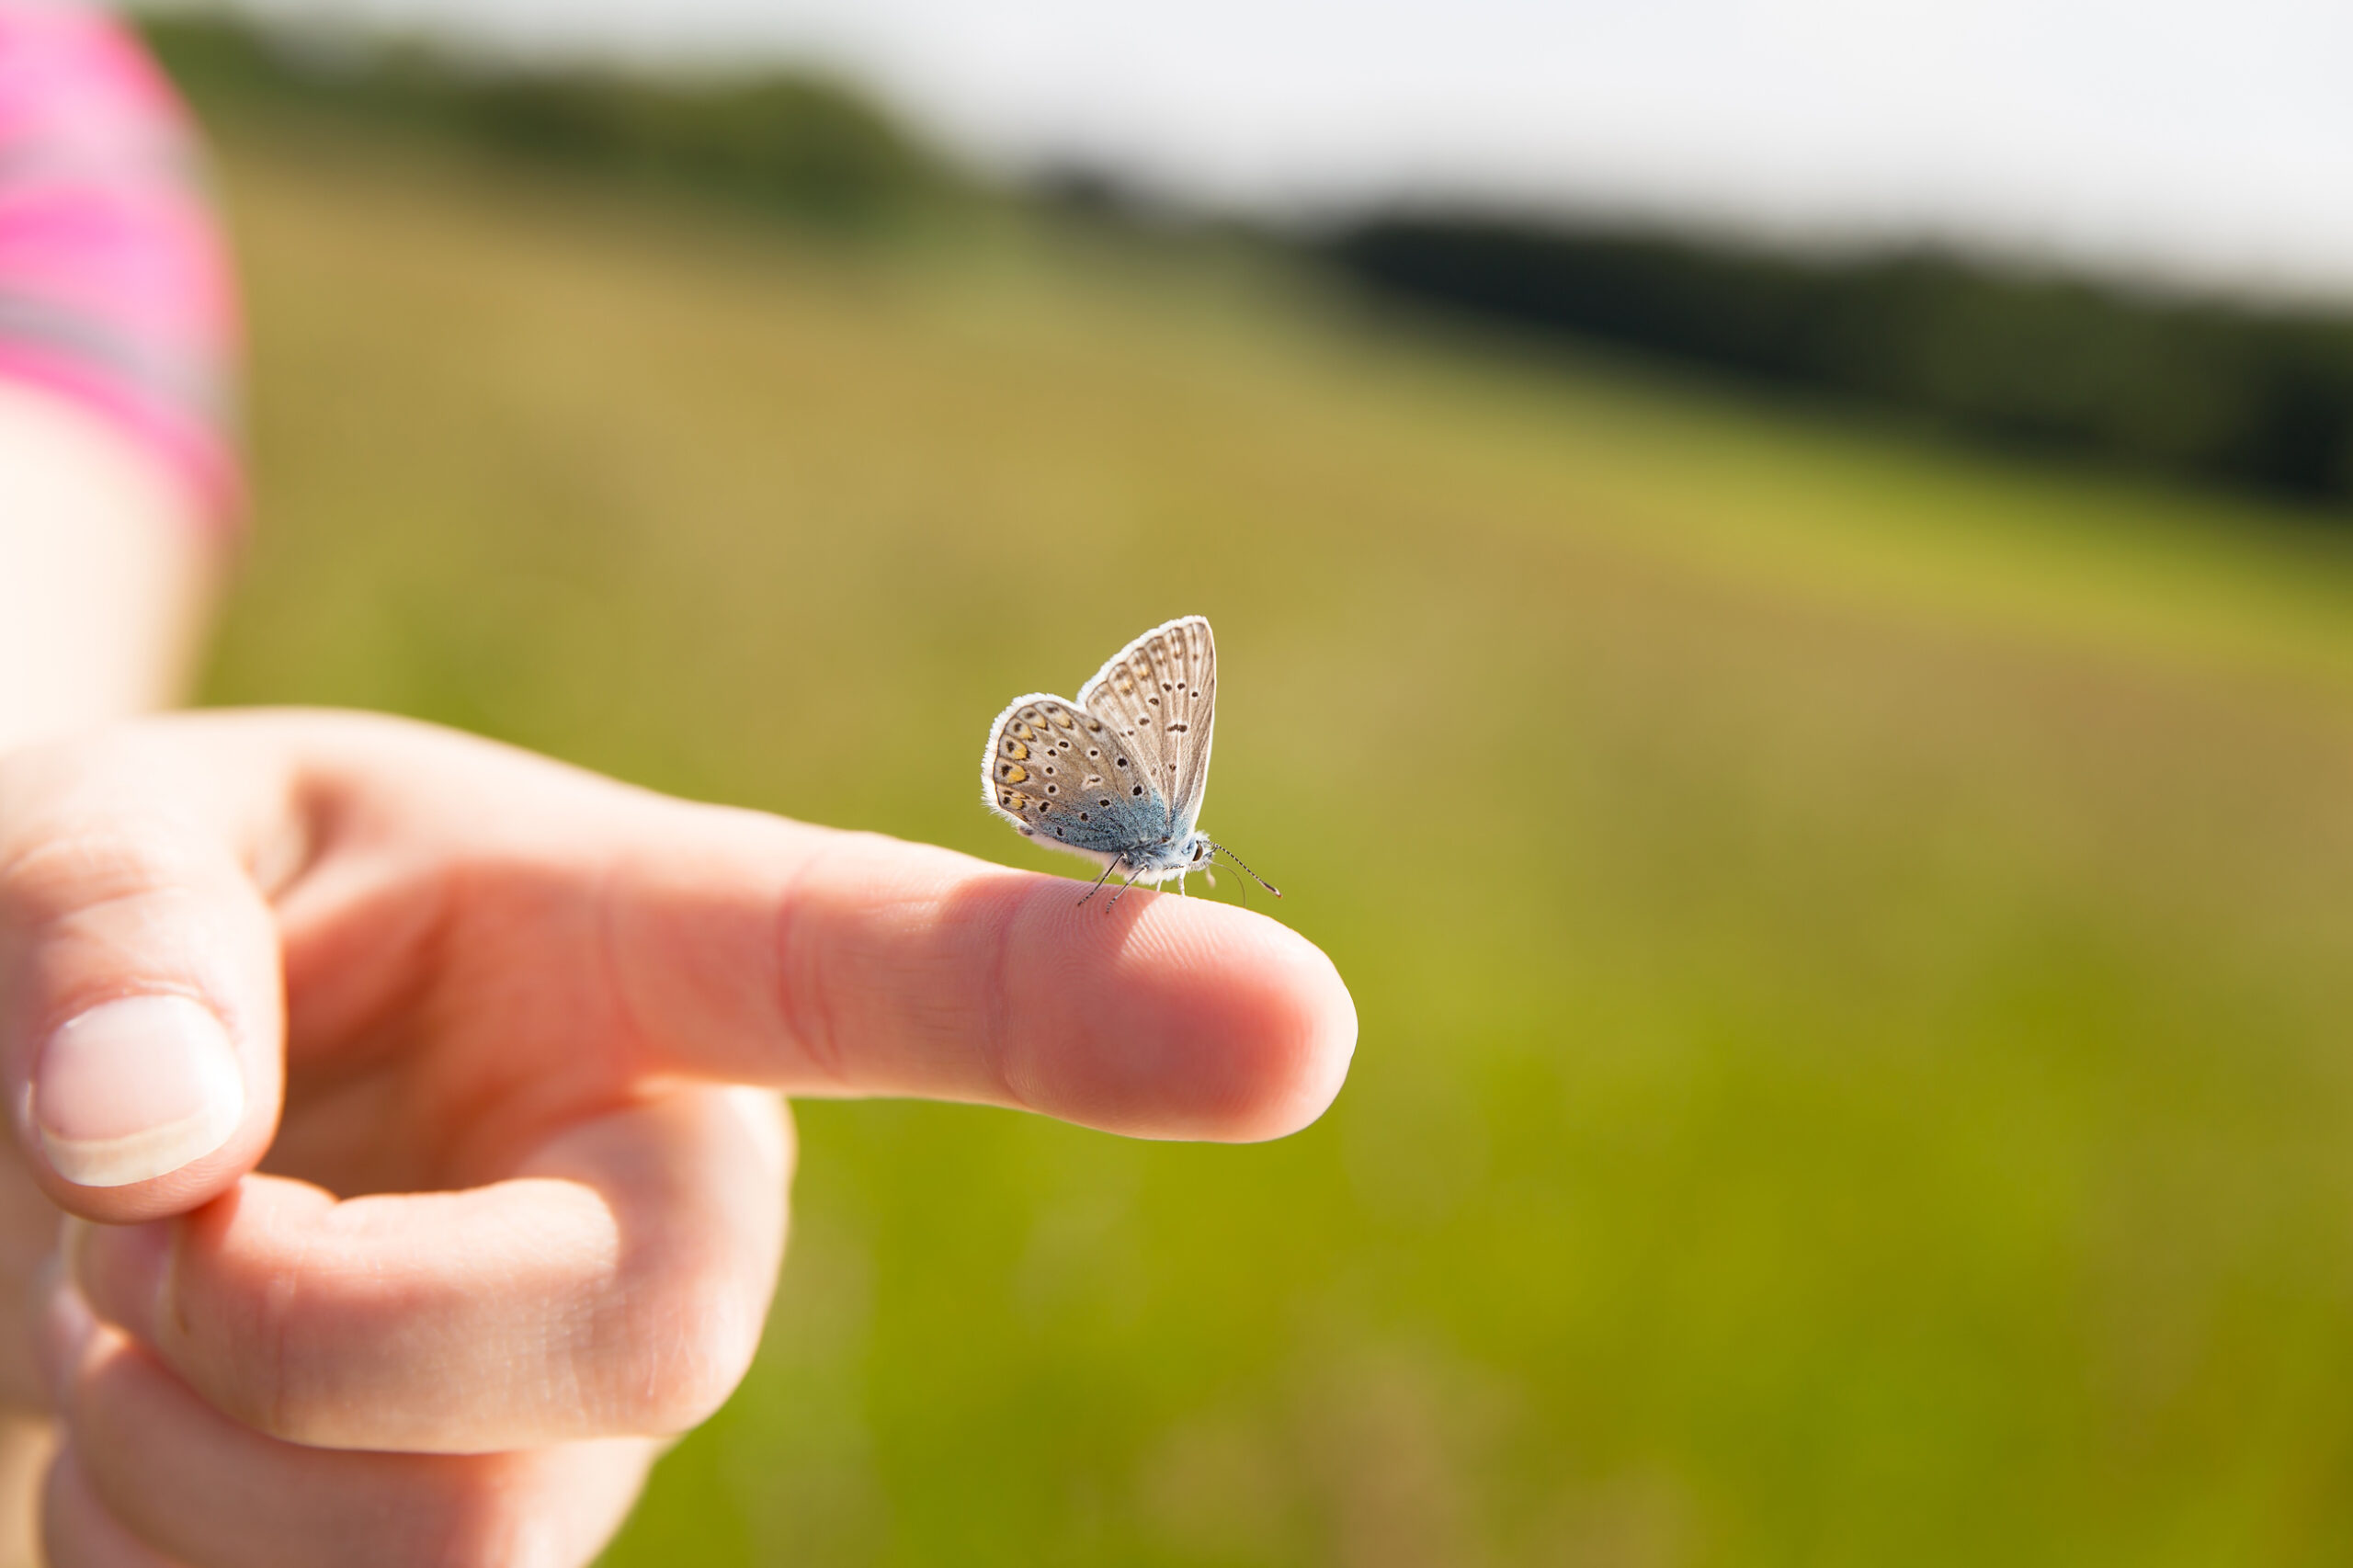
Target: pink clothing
[[115, 288]]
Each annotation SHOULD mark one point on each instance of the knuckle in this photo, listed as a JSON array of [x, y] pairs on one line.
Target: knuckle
[[690, 1340], [72, 864], [252, 1344], [255, 1395]]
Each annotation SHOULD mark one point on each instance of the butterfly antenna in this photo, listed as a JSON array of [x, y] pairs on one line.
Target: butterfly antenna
[[1245, 869], [1098, 884]]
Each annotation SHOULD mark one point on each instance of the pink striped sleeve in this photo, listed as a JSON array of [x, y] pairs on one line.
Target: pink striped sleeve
[[115, 288]]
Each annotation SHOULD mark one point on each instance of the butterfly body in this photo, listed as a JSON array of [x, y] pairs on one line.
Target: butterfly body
[[1118, 775]]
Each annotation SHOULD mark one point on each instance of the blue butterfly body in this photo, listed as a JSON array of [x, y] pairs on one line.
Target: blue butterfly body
[[1117, 776]]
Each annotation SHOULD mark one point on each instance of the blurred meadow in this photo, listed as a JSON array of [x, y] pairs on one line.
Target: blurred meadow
[[1852, 932]]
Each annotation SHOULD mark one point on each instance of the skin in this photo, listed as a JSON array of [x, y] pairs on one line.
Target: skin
[[107, 577], [506, 1206]]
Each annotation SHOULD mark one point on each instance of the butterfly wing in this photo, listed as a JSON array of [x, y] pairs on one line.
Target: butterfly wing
[[1054, 771], [1158, 697]]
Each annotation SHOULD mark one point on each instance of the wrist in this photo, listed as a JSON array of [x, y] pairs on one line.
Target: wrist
[[107, 572]]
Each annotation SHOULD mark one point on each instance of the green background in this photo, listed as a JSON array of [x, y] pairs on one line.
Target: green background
[[1852, 937]]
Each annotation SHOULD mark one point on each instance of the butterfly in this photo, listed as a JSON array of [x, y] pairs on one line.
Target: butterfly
[[1118, 776]]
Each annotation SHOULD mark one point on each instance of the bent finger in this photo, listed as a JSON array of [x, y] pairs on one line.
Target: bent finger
[[616, 1285], [141, 1026], [78, 1530], [151, 1473]]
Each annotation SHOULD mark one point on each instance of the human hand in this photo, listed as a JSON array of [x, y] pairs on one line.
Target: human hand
[[404, 1076]]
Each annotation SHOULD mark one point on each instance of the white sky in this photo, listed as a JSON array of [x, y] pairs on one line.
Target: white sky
[[2203, 139]]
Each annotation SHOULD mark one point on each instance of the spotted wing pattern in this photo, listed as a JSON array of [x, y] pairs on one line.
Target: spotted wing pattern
[[1059, 774], [1158, 696]]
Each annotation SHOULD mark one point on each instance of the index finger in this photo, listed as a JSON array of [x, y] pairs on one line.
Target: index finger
[[756, 950]]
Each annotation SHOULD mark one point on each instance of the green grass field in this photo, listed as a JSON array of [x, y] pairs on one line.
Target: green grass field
[[1854, 940]]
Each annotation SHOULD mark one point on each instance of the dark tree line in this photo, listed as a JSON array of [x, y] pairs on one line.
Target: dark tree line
[[797, 142], [2205, 390]]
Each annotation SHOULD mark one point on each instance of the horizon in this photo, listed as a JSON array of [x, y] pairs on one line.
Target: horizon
[[2182, 146]]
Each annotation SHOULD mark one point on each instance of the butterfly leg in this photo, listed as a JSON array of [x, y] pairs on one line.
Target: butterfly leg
[[1098, 884], [1127, 881]]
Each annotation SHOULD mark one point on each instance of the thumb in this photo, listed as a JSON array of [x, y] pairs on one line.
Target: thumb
[[140, 994]]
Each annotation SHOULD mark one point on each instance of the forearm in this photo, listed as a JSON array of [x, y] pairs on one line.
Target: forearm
[[106, 571]]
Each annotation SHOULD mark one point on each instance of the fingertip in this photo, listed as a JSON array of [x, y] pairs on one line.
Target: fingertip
[[141, 1046], [145, 1107], [135, 1088], [1288, 1025], [1194, 1020], [1311, 1025]]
